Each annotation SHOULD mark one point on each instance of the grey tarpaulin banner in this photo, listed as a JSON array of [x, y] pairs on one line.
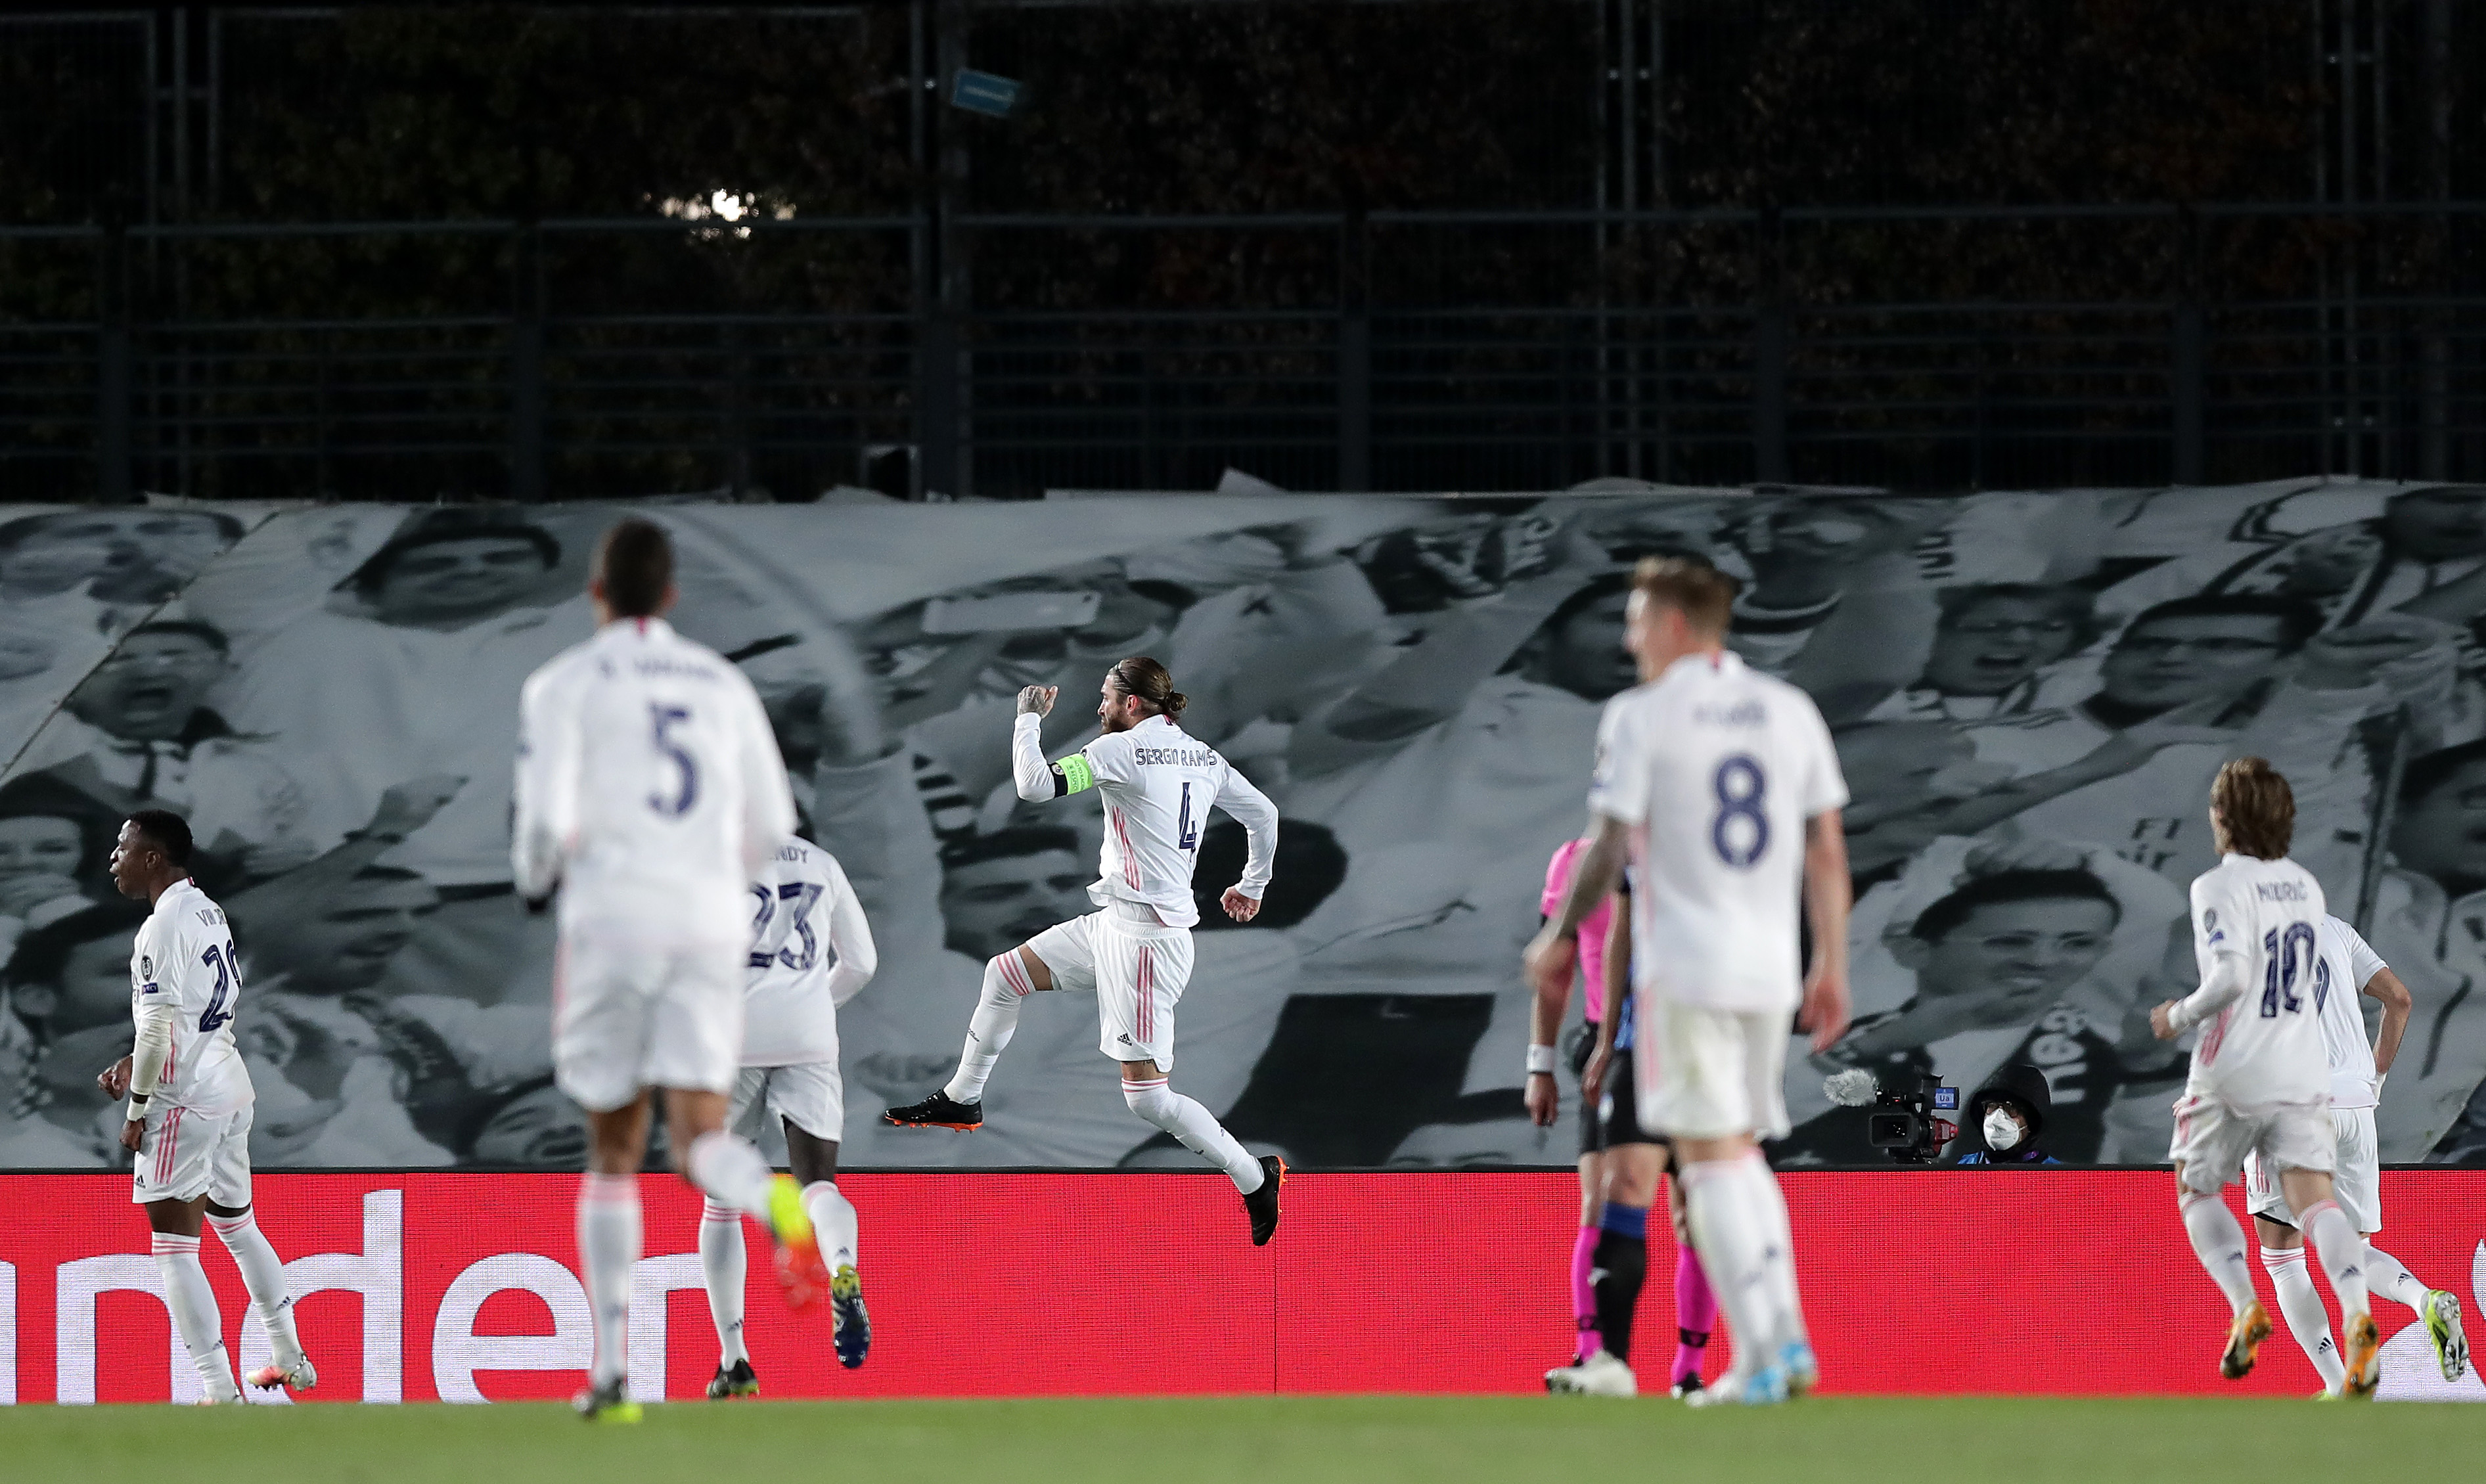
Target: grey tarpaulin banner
[[1416, 680]]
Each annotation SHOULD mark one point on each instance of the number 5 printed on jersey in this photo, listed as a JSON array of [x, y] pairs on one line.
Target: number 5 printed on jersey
[[662, 720]]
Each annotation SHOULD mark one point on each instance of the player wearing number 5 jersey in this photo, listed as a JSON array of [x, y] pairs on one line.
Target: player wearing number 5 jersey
[[2260, 1084], [1134, 953], [191, 1103], [1721, 784], [650, 793]]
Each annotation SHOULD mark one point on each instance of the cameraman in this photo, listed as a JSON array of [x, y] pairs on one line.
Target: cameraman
[[2005, 1120]]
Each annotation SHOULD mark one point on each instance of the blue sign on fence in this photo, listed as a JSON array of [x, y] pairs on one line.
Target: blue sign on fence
[[984, 93]]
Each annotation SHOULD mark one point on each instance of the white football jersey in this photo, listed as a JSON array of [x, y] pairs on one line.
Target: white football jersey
[[1717, 767], [2347, 963], [811, 951], [649, 787], [2265, 1048], [1158, 784], [184, 952]]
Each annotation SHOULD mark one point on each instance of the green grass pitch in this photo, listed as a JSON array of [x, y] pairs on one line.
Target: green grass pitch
[[1444, 1440]]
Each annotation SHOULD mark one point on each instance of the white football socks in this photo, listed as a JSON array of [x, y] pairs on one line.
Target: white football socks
[[725, 1266], [1731, 1234], [2301, 1305], [2219, 1242], [262, 1273], [608, 1247], [990, 1027], [202, 1325], [732, 1171], [2387, 1275], [1778, 1256], [2342, 1254], [833, 1220], [1196, 1127]]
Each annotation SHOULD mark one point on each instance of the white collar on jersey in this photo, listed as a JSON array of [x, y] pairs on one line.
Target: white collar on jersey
[[650, 627], [1724, 662]]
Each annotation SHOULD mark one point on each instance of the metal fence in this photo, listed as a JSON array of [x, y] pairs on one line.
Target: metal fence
[[1390, 352]]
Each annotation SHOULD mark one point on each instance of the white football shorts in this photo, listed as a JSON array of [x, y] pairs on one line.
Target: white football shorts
[[185, 1154], [2356, 1178], [2212, 1140], [810, 1095], [1710, 1074], [1136, 973], [627, 1016]]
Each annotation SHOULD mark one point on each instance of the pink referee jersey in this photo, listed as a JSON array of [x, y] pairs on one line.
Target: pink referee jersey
[[1592, 927]]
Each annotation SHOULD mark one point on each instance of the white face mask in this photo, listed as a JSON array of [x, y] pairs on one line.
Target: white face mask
[[2001, 1129]]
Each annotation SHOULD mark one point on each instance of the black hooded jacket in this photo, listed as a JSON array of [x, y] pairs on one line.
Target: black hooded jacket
[[2023, 1087]]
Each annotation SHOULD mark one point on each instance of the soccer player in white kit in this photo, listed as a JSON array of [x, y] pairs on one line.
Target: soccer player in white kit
[[1134, 952], [650, 793], [2259, 1082], [191, 1103], [810, 952], [2346, 967], [1722, 786]]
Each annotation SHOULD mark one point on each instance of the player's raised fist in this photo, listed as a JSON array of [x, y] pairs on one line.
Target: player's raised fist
[[1037, 700], [1239, 907]]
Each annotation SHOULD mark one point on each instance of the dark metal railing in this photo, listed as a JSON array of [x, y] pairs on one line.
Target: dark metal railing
[[1396, 351]]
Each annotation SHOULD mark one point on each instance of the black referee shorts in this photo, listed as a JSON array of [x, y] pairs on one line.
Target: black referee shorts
[[1614, 1119]]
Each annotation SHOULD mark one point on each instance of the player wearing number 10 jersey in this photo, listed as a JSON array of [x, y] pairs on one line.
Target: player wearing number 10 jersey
[[2260, 1083], [650, 793]]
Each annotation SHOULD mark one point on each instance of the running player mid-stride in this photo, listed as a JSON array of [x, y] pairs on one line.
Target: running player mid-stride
[[1134, 953], [651, 794], [2260, 1084]]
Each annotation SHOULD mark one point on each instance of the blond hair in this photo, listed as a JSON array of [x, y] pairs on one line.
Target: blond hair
[[1705, 595]]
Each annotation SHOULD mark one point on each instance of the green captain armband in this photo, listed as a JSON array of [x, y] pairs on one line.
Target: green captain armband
[[1077, 777]]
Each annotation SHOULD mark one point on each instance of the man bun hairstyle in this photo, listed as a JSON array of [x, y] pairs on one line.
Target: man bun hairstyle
[[635, 564], [2255, 806], [1705, 595], [1143, 678], [167, 832]]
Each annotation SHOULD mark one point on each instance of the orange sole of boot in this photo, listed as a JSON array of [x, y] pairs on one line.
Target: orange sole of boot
[[2244, 1340]]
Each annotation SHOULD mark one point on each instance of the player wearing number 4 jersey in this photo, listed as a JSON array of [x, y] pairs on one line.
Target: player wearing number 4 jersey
[[2345, 966], [190, 1102], [1134, 953], [1722, 786], [2260, 1084], [650, 792]]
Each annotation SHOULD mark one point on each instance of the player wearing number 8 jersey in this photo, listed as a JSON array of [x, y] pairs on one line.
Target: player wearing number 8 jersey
[[190, 1104], [650, 793], [1722, 786], [2260, 1084], [1134, 953]]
